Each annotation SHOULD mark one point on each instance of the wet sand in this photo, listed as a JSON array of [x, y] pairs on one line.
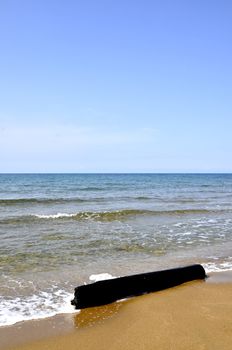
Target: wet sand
[[196, 315]]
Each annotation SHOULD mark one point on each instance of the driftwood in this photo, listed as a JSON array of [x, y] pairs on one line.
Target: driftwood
[[108, 291]]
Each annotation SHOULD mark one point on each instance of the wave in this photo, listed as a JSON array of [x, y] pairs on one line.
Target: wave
[[46, 303], [41, 304], [125, 213], [219, 267], [92, 199], [55, 216], [61, 200], [19, 201], [91, 188], [99, 216], [32, 307], [109, 216], [144, 198]]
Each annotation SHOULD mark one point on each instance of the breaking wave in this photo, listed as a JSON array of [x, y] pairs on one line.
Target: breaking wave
[[121, 214], [110, 216], [40, 304]]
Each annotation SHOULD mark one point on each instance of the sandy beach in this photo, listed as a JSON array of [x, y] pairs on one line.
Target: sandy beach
[[196, 315]]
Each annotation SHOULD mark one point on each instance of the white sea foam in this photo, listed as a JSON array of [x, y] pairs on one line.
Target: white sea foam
[[186, 233], [34, 306], [217, 267], [178, 224], [40, 305], [212, 221], [55, 216], [57, 301], [101, 277]]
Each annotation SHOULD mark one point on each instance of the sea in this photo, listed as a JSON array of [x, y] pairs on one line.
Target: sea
[[58, 231]]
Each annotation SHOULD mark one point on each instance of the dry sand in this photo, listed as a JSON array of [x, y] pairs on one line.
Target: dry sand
[[196, 315]]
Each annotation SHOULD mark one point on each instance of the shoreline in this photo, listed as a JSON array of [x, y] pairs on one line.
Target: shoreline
[[187, 316]]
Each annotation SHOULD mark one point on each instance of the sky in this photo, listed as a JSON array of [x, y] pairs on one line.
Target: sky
[[115, 86]]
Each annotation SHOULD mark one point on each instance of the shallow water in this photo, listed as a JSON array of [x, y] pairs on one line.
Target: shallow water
[[57, 230]]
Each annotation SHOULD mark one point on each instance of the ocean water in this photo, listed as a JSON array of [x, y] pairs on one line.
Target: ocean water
[[58, 231]]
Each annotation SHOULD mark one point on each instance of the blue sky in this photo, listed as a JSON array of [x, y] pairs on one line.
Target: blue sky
[[115, 86]]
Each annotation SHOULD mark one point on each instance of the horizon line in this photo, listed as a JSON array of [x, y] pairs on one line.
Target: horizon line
[[116, 173]]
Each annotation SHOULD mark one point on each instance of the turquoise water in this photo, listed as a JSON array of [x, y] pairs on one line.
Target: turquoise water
[[59, 229]]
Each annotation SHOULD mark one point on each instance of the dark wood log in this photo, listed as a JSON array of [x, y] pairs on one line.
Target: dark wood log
[[108, 291]]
